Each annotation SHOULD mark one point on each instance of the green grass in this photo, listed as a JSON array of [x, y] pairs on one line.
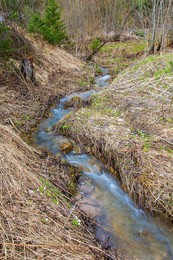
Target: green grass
[[65, 127], [163, 63], [27, 117], [166, 70], [119, 55], [151, 58], [144, 137], [52, 192], [102, 105], [129, 46]]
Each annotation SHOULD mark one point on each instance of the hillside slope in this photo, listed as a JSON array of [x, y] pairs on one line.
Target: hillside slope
[[57, 73], [36, 218], [130, 126]]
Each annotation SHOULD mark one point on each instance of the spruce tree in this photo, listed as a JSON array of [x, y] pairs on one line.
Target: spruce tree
[[50, 26]]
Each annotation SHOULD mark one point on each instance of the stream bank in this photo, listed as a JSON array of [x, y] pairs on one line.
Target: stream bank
[[33, 106], [36, 221], [129, 126], [120, 223], [57, 74]]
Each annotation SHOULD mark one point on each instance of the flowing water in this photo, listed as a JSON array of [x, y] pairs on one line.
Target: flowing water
[[128, 228]]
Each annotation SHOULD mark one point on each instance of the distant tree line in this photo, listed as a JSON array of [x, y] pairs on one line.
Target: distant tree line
[[92, 20], [105, 18], [46, 22]]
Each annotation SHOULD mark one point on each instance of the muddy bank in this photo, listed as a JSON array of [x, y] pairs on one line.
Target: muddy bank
[[129, 126]]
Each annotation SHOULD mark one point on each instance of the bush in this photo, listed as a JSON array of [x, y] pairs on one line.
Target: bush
[[94, 44], [6, 41], [140, 33], [35, 24], [50, 26]]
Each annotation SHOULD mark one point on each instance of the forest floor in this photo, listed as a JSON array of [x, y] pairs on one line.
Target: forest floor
[[129, 125]]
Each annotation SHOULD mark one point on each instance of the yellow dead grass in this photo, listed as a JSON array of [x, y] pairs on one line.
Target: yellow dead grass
[[130, 126], [57, 73], [31, 225]]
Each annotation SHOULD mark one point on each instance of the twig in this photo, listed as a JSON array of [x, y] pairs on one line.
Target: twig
[[164, 139], [11, 122]]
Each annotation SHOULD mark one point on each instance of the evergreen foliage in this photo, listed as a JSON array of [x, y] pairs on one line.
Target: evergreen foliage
[[94, 44], [50, 26], [19, 11], [6, 41]]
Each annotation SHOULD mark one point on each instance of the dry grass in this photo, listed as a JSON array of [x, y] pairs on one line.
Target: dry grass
[[57, 73], [36, 217], [130, 126], [32, 226]]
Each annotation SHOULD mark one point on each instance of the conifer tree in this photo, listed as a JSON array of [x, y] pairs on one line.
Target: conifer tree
[[50, 26]]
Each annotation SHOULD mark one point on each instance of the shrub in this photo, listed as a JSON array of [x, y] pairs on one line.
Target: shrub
[[140, 33], [6, 41], [94, 44], [35, 24], [50, 26]]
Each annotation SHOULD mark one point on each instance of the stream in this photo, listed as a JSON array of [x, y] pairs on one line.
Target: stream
[[121, 225]]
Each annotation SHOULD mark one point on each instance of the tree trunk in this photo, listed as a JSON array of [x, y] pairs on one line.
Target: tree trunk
[[115, 38], [165, 27], [155, 18]]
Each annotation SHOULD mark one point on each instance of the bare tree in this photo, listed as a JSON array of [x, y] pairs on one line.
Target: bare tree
[[167, 23], [161, 23], [155, 22]]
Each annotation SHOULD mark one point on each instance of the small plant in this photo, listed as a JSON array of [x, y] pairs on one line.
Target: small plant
[[170, 151], [45, 221], [146, 140], [169, 120], [65, 127], [50, 191], [27, 117], [143, 134], [6, 41], [94, 45], [171, 64], [92, 80], [98, 69], [83, 83], [76, 222], [140, 33], [146, 146]]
